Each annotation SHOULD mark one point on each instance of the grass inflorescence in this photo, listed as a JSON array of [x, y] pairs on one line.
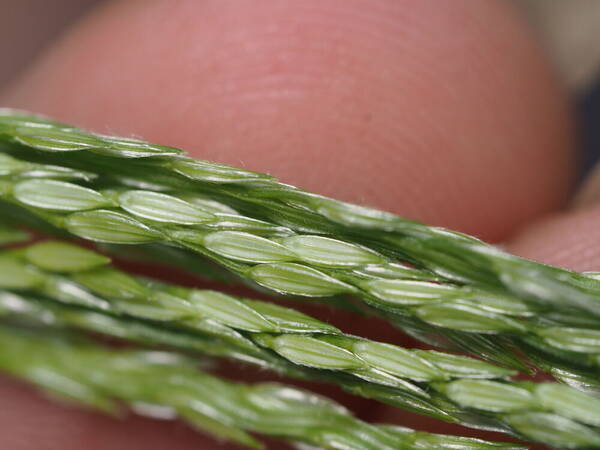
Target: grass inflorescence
[[443, 287]]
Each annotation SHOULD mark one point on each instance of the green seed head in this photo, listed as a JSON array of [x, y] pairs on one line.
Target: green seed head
[[409, 292], [397, 361], [57, 195], [582, 340], [457, 366], [569, 402], [467, 318], [312, 352], [111, 227], [57, 256], [16, 275], [163, 208], [229, 311], [289, 320], [53, 140], [215, 173], [489, 395], [246, 247], [560, 431], [296, 279], [329, 252]]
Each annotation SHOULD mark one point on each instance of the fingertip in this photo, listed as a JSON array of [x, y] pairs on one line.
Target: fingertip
[[443, 112], [570, 240]]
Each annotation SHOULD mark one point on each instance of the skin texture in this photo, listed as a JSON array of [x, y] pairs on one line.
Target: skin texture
[[442, 111]]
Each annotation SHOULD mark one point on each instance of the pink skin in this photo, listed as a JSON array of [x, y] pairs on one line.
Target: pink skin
[[442, 111]]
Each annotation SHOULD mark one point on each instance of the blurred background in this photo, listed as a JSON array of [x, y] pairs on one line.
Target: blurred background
[[569, 30]]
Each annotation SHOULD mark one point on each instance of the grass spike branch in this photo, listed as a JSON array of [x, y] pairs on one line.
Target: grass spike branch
[[304, 265], [451, 255], [95, 377], [205, 335], [86, 279]]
